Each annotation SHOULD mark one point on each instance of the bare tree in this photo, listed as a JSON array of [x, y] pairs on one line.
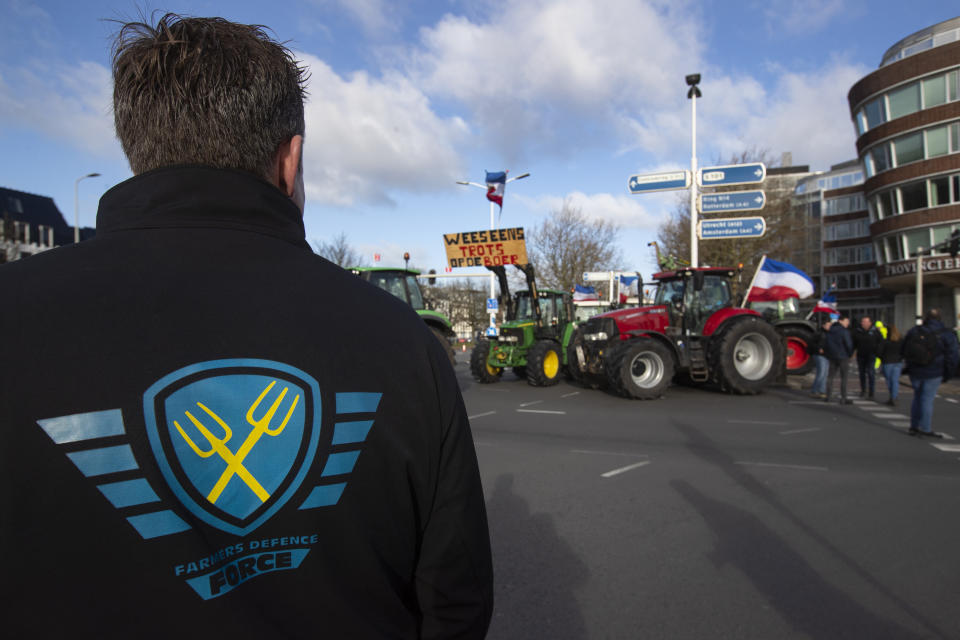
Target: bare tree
[[338, 251], [568, 243], [462, 301], [785, 229]]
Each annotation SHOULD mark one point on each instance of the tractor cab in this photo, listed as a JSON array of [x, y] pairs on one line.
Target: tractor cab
[[554, 308], [692, 296]]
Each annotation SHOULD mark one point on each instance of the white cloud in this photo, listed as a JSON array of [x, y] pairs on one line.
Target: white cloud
[[556, 73], [64, 102], [623, 210], [805, 17], [371, 14], [367, 137]]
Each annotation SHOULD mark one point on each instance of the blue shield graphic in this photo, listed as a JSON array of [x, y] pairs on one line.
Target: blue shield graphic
[[234, 439]]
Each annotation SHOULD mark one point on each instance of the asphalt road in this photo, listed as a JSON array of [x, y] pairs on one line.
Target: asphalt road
[[705, 515]]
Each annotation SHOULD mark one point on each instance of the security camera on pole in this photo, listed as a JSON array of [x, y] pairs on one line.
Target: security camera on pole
[[694, 179], [495, 187]]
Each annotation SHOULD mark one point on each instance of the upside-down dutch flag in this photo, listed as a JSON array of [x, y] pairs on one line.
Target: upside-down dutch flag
[[581, 293], [779, 281], [496, 183], [827, 303], [629, 286]]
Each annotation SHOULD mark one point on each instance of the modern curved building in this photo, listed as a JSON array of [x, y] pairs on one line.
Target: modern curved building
[[907, 119]]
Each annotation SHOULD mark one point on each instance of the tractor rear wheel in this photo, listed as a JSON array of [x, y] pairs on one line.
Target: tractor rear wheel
[[544, 364], [479, 367], [445, 343], [641, 368], [745, 356], [574, 370], [798, 339]]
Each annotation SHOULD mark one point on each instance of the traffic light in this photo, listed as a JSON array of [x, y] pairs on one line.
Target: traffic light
[[954, 243]]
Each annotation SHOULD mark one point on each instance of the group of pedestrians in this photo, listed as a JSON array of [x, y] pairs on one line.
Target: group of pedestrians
[[929, 352]]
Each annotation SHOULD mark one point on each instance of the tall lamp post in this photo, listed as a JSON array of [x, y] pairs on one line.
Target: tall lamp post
[[693, 80], [76, 205], [493, 225]]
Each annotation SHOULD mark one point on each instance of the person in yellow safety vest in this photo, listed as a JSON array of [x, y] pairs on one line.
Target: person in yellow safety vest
[[883, 332]]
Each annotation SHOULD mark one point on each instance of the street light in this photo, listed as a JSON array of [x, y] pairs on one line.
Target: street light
[[493, 280], [693, 80], [76, 205]]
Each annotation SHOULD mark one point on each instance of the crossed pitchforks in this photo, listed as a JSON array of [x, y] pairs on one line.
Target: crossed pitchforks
[[235, 460]]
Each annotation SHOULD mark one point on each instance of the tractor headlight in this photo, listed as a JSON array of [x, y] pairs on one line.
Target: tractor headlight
[[505, 338], [598, 337]]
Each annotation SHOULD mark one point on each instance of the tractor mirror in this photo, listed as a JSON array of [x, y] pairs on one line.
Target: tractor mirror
[[698, 280]]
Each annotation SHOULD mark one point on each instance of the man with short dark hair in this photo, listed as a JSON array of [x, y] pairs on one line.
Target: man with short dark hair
[[195, 442], [931, 354], [866, 340], [838, 348]]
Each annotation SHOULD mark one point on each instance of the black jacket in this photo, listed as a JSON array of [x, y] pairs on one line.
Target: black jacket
[[889, 352], [945, 363], [838, 344], [209, 431], [867, 342]]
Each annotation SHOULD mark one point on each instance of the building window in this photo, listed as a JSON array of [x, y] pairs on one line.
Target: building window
[[874, 113], [881, 158], [913, 196], [952, 85], [849, 255], [939, 191], [916, 239], [937, 142], [894, 249], [907, 149], [934, 91], [904, 101], [941, 234]]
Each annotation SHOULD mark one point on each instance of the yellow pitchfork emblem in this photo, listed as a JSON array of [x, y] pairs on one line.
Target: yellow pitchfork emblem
[[235, 460]]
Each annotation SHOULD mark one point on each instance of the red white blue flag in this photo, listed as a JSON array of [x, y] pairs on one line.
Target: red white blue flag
[[581, 293], [779, 281], [827, 303], [496, 183]]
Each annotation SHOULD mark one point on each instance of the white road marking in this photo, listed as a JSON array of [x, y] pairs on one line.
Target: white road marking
[[953, 400], [609, 453], [864, 402], [949, 448], [946, 436], [480, 415], [560, 413], [527, 404], [758, 422], [791, 431], [820, 402], [610, 474], [567, 395], [901, 423], [781, 466], [887, 415]]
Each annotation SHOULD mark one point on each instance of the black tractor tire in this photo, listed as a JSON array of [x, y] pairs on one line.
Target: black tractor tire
[[479, 369], [745, 356], [798, 360], [520, 372], [544, 364], [574, 372], [445, 343], [641, 368]]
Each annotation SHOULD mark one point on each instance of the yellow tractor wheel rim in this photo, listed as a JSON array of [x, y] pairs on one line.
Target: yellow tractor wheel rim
[[492, 370], [551, 364]]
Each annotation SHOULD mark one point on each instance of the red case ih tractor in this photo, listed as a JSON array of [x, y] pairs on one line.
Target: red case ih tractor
[[692, 329]]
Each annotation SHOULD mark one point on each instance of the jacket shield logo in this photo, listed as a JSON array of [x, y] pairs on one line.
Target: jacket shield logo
[[234, 438]]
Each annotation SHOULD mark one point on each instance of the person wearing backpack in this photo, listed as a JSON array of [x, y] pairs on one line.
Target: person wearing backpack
[[931, 354], [838, 347], [891, 362]]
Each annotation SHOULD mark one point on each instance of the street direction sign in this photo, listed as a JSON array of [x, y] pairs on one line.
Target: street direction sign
[[492, 304], [731, 228], [659, 182], [731, 201], [732, 174]]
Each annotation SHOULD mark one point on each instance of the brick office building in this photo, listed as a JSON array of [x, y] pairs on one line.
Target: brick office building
[[907, 119]]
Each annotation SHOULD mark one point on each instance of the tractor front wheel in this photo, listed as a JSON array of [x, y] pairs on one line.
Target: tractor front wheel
[[798, 339], [641, 368], [544, 364], [480, 367]]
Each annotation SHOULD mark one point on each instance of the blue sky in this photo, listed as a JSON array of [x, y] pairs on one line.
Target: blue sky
[[407, 97]]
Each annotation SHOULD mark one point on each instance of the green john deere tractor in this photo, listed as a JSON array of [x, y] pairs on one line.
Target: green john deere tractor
[[533, 340], [403, 283]]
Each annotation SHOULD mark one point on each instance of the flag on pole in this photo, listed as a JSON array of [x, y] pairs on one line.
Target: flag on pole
[[779, 281], [496, 183], [828, 302], [629, 287], [581, 294]]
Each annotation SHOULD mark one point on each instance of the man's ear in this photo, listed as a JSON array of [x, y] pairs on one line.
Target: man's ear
[[288, 166]]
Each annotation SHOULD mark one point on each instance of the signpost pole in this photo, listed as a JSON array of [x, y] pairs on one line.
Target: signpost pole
[[493, 279], [919, 309], [694, 257]]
